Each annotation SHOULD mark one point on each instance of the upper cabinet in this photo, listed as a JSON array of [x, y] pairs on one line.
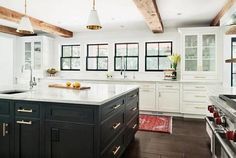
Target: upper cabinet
[[199, 53], [36, 52]]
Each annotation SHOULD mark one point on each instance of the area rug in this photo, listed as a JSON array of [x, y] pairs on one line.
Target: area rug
[[155, 123]]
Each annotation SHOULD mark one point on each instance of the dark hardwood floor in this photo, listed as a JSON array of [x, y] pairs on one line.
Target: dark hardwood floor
[[188, 140]]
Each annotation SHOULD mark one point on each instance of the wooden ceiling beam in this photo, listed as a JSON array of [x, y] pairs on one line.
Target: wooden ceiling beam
[[151, 14], [226, 7], [9, 30], [14, 16]]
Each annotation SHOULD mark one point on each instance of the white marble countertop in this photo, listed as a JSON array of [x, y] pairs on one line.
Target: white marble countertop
[[217, 90], [97, 95]]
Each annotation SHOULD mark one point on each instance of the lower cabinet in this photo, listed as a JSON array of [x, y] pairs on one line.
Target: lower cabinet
[[5, 145], [147, 99], [27, 138], [69, 140], [169, 101]]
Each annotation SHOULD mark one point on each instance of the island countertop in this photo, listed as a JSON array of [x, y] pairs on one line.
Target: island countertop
[[97, 95]]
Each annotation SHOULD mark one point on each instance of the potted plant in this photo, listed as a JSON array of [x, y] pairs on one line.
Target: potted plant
[[174, 59]]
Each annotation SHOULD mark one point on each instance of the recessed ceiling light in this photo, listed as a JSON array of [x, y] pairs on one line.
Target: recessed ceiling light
[[179, 13]]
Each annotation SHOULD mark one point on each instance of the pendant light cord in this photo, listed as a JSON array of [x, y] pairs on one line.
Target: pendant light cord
[[25, 7], [93, 4]]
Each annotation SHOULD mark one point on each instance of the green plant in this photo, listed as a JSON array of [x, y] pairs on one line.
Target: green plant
[[175, 59]]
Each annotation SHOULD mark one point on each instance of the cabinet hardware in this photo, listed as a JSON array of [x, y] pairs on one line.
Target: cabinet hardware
[[133, 96], [199, 107], [159, 94], [24, 122], [169, 86], [25, 110], [200, 77], [199, 87], [116, 125], [117, 106], [134, 109], [199, 96], [145, 90], [134, 126], [116, 150], [4, 129]]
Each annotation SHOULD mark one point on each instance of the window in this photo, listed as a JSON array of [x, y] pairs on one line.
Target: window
[[233, 65], [70, 59], [126, 56], [97, 57], [156, 56]]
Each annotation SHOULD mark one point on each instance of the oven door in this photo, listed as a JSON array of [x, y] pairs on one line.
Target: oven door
[[210, 129]]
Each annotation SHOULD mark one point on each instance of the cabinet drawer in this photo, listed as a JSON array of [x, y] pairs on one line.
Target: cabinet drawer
[[147, 86], [169, 86], [4, 108], [132, 96], [195, 87], [111, 128], [112, 108], [200, 97], [64, 113], [199, 77], [194, 108], [132, 128], [132, 109], [116, 149], [27, 109]]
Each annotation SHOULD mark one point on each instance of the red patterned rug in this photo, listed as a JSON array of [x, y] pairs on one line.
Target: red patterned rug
[[155, 123]]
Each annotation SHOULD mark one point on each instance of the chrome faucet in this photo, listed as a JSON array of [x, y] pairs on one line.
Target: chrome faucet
[[32, 81], [122, 71]]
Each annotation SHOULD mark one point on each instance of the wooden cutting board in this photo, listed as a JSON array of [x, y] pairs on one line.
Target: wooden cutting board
[[66, 87]]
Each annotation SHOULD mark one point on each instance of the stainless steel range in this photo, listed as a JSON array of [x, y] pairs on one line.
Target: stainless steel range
[[221, 126]]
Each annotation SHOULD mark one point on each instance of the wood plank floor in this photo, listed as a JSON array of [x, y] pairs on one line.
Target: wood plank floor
[[188, 140]]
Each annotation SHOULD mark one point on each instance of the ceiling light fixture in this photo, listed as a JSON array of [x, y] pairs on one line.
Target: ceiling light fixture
[[25, 26], [93, 21]]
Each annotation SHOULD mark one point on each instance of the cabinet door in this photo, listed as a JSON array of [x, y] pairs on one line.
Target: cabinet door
[[147, 99], [169, 101], [37, 55], [67, 140], [27, 138], [28, 55], [4, 139], [208, 52], [191, 52]]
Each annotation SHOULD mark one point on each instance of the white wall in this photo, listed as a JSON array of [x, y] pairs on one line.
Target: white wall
[[7, 50], [140, 36]]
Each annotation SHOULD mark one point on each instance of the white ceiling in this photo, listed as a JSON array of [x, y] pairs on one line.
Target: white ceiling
[[116, 14]]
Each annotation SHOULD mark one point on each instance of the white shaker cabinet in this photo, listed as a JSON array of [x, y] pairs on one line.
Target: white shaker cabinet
[[199, 47], [168, 97], [147, 97]]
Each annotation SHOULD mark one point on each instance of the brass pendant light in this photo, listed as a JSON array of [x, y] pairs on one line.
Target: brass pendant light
[[93, 21]]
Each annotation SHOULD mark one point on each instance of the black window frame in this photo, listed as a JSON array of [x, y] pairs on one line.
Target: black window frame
[[233, 39], [115, 57], [156, 56], [96, 57], [71, 57]]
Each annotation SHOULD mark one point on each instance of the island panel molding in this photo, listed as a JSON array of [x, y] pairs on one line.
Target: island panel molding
[[151, 14], [14, 16], [226, 7]]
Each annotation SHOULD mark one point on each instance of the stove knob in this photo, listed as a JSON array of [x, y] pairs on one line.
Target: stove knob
[[211, 108], [230, 135], [216, 114], [218, 120]]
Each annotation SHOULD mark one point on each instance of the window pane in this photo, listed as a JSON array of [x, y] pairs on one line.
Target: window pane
[[28, 47], [132, 64], [92, 50], [121, 50], [233, 80], [103, 50], [65, 63], [27, 65], [208, 40], [120, 62], [152, 49], [92, 63], [76, 51], [152, 63], [132, 49], [164, 63], [102, 63], [66, 50], [75, 63], [190, 65], [191, 41], [164, 48]]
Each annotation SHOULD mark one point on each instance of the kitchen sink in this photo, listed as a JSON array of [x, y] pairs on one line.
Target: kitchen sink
[[12, 91]]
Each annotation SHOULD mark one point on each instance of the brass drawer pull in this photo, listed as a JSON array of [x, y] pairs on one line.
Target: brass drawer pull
[[199, 107], [116, 125], [169, 86], [24, 122], [117, 106], [116, 150], [4, 130], [199, 96], [199, 87], [25, 110], [134, 109], [134, 126]]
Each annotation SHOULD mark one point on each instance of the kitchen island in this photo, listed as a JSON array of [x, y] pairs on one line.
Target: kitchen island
[[60, 123]]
